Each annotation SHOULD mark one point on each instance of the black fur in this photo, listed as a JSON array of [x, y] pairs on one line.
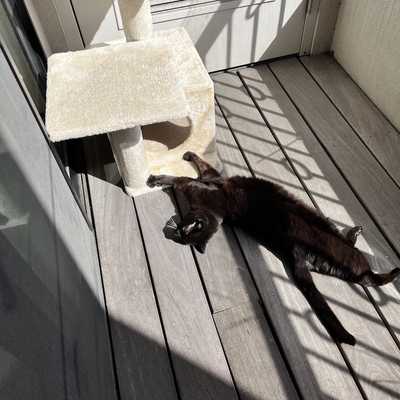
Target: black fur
[[301, 237]]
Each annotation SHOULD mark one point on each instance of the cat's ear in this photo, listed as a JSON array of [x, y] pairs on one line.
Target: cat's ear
[[201, 247]]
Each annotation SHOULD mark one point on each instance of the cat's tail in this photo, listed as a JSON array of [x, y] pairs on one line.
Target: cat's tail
[[370, 278]]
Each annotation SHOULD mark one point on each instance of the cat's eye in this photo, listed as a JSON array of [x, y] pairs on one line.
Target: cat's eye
[[195, 226], [199, 226]]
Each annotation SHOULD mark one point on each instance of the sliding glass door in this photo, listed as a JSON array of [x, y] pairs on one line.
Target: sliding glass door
[[54, 341]]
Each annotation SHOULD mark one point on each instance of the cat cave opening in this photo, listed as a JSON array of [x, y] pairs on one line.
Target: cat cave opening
[[162, 137], [166, 142]]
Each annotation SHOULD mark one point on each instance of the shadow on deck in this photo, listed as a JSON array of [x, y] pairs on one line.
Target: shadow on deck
[[230, 323]]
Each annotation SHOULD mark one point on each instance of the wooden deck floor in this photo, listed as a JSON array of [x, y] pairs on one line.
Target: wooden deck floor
[[230, 324]]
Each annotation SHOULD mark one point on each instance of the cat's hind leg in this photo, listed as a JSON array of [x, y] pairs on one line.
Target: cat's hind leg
[[304, 282], [166, 180], [205, 169], [371, 278], [352, 235]]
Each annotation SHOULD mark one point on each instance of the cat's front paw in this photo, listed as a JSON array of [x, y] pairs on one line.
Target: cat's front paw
[[151, 181], [189, 156]]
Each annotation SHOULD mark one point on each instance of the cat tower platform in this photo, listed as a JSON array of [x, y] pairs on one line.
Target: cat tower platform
[[153, 98]]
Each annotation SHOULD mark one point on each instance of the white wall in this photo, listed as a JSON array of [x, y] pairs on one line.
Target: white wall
[[367, 44]]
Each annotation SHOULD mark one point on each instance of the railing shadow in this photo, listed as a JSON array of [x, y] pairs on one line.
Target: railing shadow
[[331, 194], [287, 325], [101, 153]]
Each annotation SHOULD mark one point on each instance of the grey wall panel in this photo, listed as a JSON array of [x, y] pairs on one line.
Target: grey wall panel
[[366, 44], [54, 342]]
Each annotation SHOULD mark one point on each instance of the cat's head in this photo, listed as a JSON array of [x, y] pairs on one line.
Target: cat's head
[[196, 228]]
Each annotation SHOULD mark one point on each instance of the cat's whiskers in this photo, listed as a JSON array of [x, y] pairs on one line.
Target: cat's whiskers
[[172, 224]]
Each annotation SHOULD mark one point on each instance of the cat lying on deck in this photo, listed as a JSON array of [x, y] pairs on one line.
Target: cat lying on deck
[[297, 234]]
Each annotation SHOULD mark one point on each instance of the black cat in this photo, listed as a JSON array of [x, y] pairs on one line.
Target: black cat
[[301, 237]]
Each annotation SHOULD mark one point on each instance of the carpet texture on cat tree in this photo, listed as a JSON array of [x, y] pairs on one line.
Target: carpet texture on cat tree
[[111, 88], [159, 84], [165, 143]]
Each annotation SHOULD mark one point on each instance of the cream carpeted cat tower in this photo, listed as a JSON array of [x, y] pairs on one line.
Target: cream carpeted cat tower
[[151, 95]]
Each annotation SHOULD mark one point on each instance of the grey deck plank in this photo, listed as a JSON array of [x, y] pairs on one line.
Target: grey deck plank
[[235, 303], [224, 270], [246, 337], [316, 362], [338, 202], [378, 192], [325, 184], [199, 362], [225, 273], [85, 333], [142, 364], [374, 129]]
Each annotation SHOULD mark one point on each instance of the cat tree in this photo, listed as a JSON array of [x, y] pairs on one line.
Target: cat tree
[[152, 96]]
